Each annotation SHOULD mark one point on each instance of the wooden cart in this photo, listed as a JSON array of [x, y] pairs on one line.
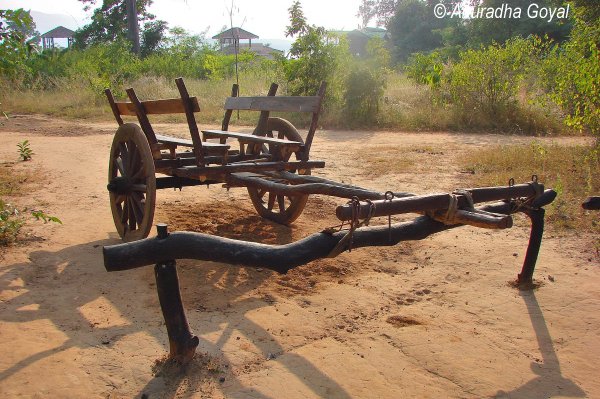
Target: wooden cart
[[279, 188], [138, 154]]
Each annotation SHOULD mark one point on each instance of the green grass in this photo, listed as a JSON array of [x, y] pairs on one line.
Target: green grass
[[573, 171], [405, 106]]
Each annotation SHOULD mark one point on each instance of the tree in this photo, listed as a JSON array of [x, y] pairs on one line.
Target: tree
[[415, 28], [153, 36], [381, 10], [575, 70], [314, 58], [485, 31], [16, 26], [109, 23]]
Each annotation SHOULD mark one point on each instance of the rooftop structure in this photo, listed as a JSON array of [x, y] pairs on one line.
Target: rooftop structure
[[60, 32]]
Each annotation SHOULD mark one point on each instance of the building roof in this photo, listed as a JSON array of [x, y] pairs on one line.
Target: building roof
[[60, 32], [235, 33], [374, 32], [366, 32], [258, 48]]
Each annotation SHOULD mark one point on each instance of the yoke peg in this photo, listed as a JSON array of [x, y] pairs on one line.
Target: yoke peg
[[162, 230]]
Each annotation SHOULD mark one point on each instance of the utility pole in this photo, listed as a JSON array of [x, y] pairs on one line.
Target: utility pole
[[133, 30]]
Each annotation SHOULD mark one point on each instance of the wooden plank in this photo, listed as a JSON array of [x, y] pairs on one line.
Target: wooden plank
[[140, 112], [235, 90], [314, 122], [164, 106], [188, 143], [249, 138], [209, 159], [275, 104], [210, 171], [189, 115], [113, 106]]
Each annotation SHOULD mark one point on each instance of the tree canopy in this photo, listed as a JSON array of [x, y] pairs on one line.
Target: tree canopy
[[109, 23]]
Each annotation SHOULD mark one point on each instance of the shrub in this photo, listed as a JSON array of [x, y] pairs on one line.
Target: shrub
[[425, 69], [364, 90], [487, 80], [11, 222], [574, 78]]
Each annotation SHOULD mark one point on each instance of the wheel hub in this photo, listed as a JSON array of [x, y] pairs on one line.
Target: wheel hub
[[120, 185]]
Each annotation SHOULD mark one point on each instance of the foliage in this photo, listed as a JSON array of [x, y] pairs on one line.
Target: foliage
[[11, 223], [152, 37], [573, 171], [16, 26], [3, 114], [415, 28], [314, 58], [485, 31], [425, 68], [487, 80], [573, 76], [101, 65], [12, 220], [109, 24], [363, 94], [381, 10], [25, 152], [364, 85], [41, 215]]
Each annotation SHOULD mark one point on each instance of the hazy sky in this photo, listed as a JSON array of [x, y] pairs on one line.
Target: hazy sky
[[265, 18]]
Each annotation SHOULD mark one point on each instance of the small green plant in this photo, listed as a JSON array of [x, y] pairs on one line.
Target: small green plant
[[4, 113], [12, 220], [40, 215], [25, 152]]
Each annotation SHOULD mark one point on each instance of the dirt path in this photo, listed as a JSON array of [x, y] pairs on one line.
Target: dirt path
[[428, 319]]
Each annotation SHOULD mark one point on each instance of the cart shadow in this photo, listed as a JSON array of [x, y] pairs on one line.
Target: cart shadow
[[59, 286], [51, 289], [549, 381]]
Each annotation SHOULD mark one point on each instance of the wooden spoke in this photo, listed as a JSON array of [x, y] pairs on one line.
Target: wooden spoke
[[140, 173], [132, 219], [124, 157], [134, 159], [119, 163], [271, 201], [125, 213], [130, 156], [136, 206], [281, 202]]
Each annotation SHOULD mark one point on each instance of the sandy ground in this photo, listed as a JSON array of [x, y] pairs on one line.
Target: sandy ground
[[429, 319]]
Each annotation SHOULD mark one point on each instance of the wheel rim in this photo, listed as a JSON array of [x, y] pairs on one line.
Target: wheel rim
[[283, 209], [132, 183]]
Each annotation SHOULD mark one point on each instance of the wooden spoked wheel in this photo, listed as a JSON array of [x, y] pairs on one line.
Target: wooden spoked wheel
[[131, 183], [279, 208]]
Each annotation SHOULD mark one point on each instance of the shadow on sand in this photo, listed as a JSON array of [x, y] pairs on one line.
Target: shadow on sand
[[59, 284], [549, 382]]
